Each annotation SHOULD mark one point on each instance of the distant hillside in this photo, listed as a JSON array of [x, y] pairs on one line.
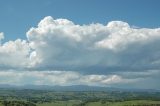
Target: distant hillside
[[74, 88]]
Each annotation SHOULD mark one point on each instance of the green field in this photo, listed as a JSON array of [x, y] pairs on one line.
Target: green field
[[124, 103], [28, 97], [98, 103], [61, 103]]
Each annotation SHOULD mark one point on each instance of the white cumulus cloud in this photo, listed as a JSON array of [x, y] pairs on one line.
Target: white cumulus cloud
[[14, 54], [61, 43], [95, 54]]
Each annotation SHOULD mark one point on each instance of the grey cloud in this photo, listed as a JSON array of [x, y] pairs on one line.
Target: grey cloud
[[59, 78]]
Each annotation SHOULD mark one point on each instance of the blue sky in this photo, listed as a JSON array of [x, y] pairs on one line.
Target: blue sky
[[80, 42], [18, 16]]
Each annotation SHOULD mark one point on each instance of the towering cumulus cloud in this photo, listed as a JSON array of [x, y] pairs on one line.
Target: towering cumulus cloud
[[95, 54]]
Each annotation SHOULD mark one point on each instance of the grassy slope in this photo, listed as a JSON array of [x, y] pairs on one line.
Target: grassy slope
[[70, 103], [60, 103], [135, 102]]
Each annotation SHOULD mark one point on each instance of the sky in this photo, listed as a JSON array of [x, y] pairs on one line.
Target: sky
[[111, 43]]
